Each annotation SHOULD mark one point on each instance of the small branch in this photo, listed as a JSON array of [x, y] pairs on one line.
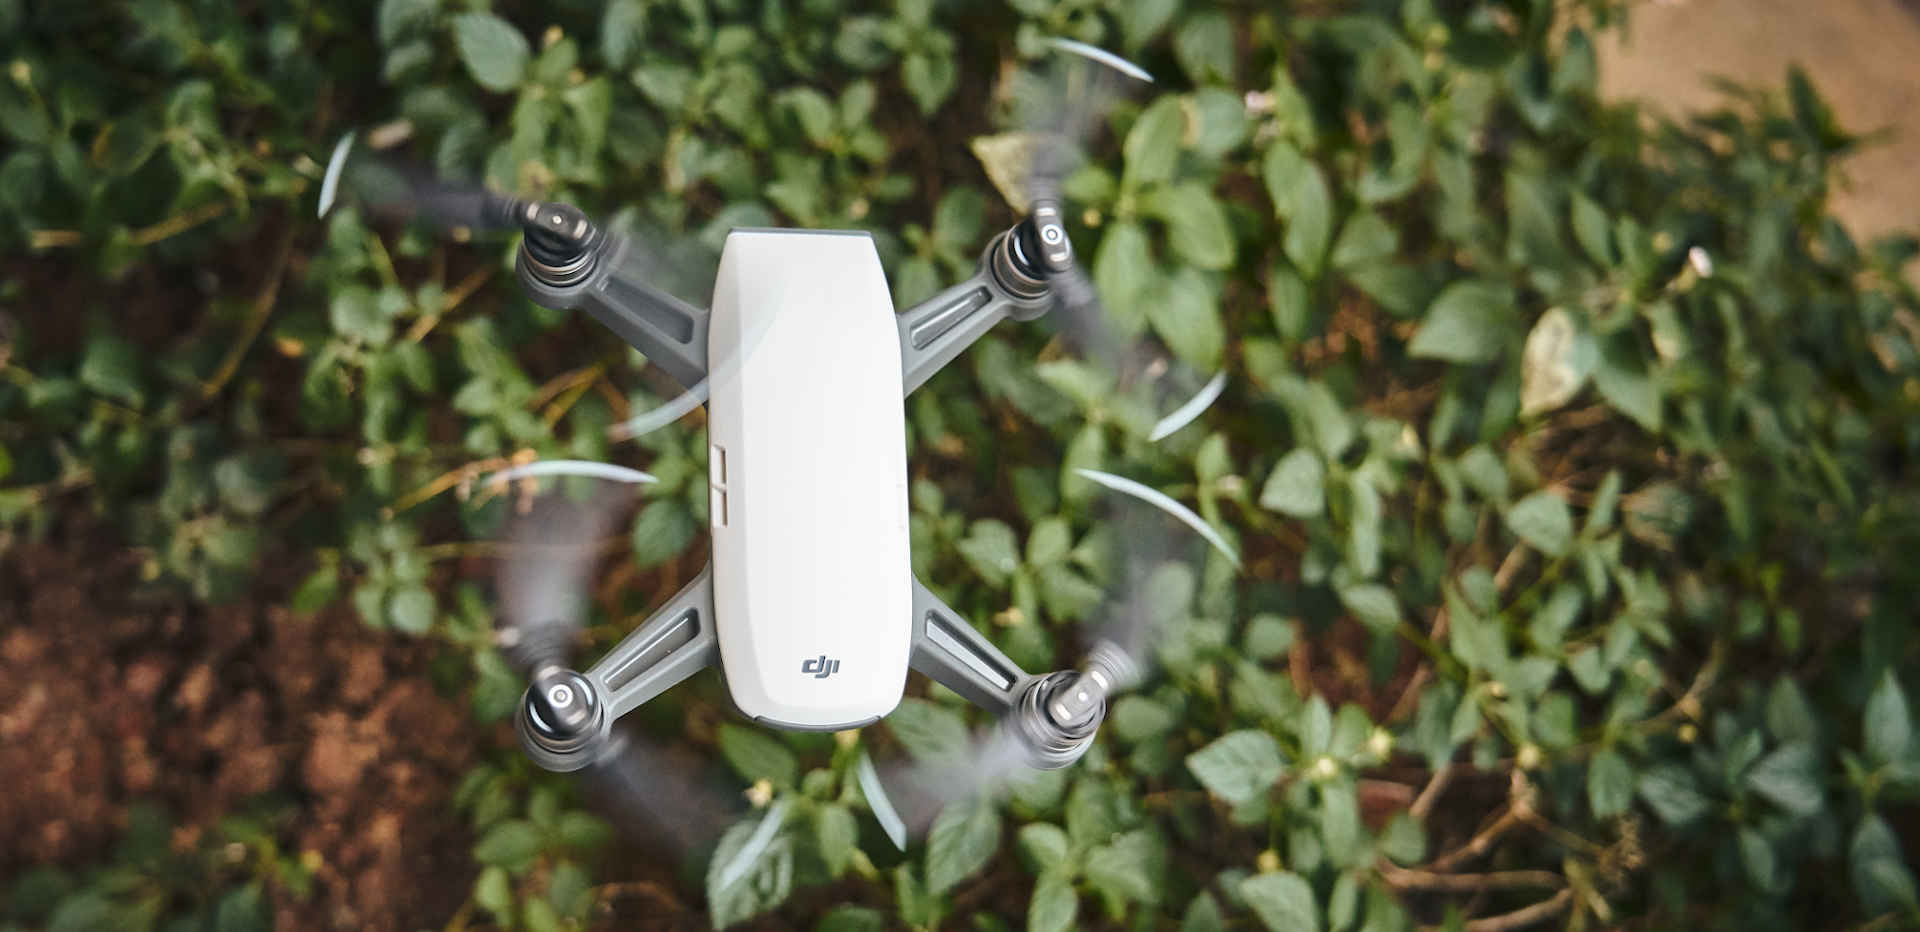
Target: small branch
[[1521, 918], [179, 223], [1423, 804], [460, 293], [256, 320], [1478, 844], [1401, 878]]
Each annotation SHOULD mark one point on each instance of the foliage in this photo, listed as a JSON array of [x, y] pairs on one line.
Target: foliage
[[1568, 447], [161, 879]]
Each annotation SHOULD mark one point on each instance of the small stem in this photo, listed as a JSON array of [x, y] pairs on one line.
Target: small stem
[[1478, 844], [1423, 804], [1401, 878], [262, 309], [1521, 918]]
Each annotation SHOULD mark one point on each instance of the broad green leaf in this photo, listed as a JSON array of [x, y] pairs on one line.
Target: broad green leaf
[[992, 550], [927, 730], [757, 756], [1283, 902], [1287, 296], [1366, 238], [1300, 198], [1238, 766], [1372, 605], [852, 919], [664, 529], [1197, 226], [1609, 784], [1204, 46], [749, 874], [1186, 315], [1888, 726], [1297, 485], [1790, 778], [963, 839], [1470, 322], [1131, 867], [1043, 845], [1790, 717], [494, 52], [1673, 793], [511, 845], [1054, 906], [1558, 357], [1152, 146], [411, 609], [838, 835], [1623, 382], [1543, 521]]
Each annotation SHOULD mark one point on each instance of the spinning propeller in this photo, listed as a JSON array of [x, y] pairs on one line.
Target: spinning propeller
[[545, 583]]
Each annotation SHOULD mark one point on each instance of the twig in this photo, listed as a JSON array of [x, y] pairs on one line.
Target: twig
[[256, 320], [460, 293], [1401, 878], [1478, 844], [1521, 918], [1423, 804]]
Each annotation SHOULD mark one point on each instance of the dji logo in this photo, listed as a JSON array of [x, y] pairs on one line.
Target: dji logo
[[820, 667]]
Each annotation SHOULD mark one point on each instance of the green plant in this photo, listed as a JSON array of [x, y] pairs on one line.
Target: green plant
[[1566, 447]]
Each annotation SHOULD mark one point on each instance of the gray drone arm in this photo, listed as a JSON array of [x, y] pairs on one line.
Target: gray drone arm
[[603, 275], [1008, 284], [566, 717], [950, 652]]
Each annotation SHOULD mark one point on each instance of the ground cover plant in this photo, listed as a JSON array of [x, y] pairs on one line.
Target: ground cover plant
[[1568, 450]]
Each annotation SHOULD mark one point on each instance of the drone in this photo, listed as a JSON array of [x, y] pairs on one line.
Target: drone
[[809, 606]]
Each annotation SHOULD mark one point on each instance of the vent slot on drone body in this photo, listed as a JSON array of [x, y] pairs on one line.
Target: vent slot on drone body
[[670, 321], [946, 318], [940, 632], [672, 637]]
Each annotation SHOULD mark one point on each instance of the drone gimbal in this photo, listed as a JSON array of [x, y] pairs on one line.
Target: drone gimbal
[[567, 261]]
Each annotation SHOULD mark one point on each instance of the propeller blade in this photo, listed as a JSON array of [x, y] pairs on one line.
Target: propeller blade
[[906, 796], [390, 187], [659, 794], [546, 573]]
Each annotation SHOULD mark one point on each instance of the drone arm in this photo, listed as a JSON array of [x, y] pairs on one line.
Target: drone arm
[[940, 328], [670, 332], [675, 643], [948, 649]]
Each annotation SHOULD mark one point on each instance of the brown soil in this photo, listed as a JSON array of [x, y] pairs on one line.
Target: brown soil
[[109, 694]]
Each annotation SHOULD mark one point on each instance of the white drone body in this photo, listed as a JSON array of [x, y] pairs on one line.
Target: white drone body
[[807, 468], [809, 608]]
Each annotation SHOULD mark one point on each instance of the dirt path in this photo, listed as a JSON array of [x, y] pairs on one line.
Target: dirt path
[[1863, 56]]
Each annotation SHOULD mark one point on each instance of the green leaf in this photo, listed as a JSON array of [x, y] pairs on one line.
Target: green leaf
[[838, 835], [1054, 906], [1372, 605], [1197, 226], [928, 731], [1238, 766], [1130, 867], [744, 881], [962, 841], [1300, 197], [1205, 49], [1404, 840], [1283, 901], [1594, 231], [511, 845], [494, 52], [1554, 366], [1297, 485], [623, 32], [111, 367], [1790, 717], [1124, 272], [1609, 784], [1889, 725], [1623, 382], [1470, 322], [930, 79], [1673, 794], [813, 111], [494, 892], [758, 756], [411, 609], [1187, 316], [1790, 778], [1543, 521], [992, 550], [664, 529], [1153, 144], [1288, 298], [1043, 845], [852, 919], [1366, 238]]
